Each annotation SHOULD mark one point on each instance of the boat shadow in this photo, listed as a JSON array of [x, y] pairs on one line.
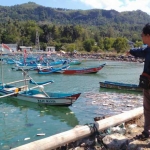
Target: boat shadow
[[119, 91], [64, 114]]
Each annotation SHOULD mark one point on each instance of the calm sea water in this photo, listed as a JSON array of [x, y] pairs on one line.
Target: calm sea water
[[20, 122]]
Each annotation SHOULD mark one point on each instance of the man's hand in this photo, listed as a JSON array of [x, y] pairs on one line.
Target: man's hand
[[127, 53]]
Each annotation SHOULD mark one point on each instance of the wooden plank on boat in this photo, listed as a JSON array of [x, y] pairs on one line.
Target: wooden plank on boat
[[72, 135]]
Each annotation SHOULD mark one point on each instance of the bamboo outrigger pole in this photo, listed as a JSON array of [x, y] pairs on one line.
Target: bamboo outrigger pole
[[75, 134], [10, 94], [17, 81]]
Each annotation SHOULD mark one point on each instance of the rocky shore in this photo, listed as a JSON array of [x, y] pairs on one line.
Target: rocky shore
[[105, 56], [121, 137], [95, 56]]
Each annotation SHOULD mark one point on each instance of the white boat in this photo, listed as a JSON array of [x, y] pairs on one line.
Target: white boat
[[32, 95]]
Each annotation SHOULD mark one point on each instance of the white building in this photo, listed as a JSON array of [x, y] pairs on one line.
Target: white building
[[25, 48], [50, 49]]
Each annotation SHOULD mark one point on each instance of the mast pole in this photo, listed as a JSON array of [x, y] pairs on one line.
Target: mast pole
[[2, 65]]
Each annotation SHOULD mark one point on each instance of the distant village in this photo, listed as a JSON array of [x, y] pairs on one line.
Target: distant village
[[15, 48]]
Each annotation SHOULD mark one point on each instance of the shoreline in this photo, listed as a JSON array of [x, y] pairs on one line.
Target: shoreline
[[88, 56]]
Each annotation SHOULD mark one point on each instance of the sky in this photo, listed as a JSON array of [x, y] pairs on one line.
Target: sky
[[118, 5]]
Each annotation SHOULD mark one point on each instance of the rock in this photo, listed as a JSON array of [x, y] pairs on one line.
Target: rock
[[115, 141], [131, 126], [117, 130], [138, 145]]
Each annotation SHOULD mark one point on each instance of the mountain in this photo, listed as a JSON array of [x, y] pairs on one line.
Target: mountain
[[59, 16]]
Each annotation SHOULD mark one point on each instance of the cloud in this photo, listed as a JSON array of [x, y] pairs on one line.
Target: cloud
[[119, 5]]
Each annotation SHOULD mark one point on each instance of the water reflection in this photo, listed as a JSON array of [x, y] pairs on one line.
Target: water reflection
[[58, 112], [119, 91], [21, 120]]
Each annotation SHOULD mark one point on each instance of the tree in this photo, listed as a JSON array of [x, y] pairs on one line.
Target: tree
[[120, 44], [138, 44], [87, 44], [58, 46], [101, 43], [70, 48], [107, 43], [95, 48]]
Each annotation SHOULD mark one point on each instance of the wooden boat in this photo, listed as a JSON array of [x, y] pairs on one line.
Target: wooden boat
[[41, 97], [84, 70], [75, 62], [50, 70], [120, 86], [26, 68]]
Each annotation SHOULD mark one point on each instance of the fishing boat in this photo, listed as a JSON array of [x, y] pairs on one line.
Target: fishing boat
[[49, 70], [26, 68], [75, 62], [27, 94], [120, 86], [84, 70]]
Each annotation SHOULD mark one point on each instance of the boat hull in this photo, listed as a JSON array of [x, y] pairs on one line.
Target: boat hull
[[84, 70], [53, 70], [120, 86], [64, 101], [67, 100]]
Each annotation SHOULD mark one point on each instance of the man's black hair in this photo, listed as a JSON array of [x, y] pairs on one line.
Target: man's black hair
[[146, 29]]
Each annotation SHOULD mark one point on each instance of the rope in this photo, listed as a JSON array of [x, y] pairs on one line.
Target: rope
[[90, 125], [96, 134], [93, 128]]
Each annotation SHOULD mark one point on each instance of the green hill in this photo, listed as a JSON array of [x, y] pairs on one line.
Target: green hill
[[59, 16]]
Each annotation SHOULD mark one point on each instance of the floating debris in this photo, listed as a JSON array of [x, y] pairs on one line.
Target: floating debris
[[130, 105], [40, 134], [113, 103], [42, 111], [93, 102], [105, 104], [27, 139], [28, 124]]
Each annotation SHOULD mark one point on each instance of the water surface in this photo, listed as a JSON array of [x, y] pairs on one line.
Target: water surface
[[20, 122]]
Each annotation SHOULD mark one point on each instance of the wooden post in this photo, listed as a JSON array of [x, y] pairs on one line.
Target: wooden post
[[72, 135]]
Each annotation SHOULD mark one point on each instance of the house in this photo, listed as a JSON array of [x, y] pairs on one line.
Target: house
[[50, 49], [25, 48]]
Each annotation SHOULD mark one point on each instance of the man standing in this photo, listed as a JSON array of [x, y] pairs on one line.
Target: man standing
[[145, 53]]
